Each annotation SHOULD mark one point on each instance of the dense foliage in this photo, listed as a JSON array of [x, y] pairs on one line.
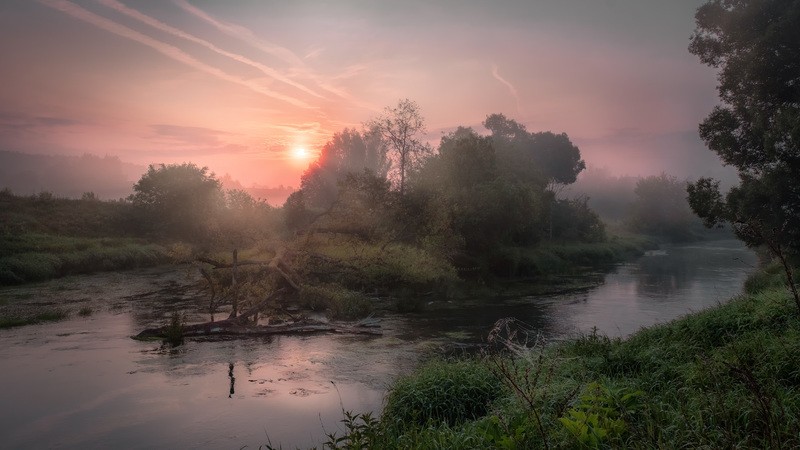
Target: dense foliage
[[756, 46]]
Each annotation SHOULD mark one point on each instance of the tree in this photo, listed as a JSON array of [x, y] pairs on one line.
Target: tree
[[401, 127], [178, 201], [660, 208], [347, 152], [756, 46], [542, 157]]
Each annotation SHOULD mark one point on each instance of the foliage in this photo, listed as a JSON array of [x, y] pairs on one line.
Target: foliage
[[35, 257], [44, 213], [180, 201], [542, 157], [601, 415], [401, 127], [756, 47], [660, 208], [338, 302], [174, 332], [347, 152], [726, 377], [442, 392]]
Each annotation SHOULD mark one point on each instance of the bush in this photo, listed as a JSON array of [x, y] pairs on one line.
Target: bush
[[442, 392], [338, 302]]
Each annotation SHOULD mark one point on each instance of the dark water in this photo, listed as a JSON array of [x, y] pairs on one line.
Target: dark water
[[83, 383]]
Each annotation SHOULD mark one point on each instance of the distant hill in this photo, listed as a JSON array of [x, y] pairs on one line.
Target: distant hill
[[68, 176]]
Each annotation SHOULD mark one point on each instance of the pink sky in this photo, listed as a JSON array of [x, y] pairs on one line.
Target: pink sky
[[238, 85]]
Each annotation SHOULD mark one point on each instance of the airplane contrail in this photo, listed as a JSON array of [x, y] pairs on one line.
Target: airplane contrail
[[510, 86], [155, 23], [247, 36], [242, 33], [163, 48]]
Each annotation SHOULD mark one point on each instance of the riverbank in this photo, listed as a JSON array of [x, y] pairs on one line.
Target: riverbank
[[725, 377]]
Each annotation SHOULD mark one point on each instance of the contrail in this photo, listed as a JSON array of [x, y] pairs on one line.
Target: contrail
[[247, 36], [165, 49], [510, 86], [242, 33], [155, 23]]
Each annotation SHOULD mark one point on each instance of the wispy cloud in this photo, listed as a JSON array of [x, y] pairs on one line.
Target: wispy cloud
[[165, 49], [299, 68], [241, 33], [155, 23], [506, 83]]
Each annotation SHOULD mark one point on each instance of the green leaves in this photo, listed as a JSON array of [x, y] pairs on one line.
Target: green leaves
[[601, 415]]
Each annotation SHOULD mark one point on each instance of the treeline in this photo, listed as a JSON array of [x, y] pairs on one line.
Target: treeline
[[655, 205], [67, 176], [378, 208], [478, 201]]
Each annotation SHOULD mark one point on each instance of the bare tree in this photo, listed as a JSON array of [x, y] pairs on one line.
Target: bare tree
[[401, 127]]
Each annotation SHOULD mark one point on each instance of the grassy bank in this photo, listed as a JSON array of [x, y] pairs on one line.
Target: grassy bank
[[28, 257], [568, 258], [728, 377]]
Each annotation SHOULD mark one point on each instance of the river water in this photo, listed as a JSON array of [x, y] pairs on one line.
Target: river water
[[83, 383]]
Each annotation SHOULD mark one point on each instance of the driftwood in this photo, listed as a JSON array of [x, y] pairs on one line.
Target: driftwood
[[234, 327], [240, 324]]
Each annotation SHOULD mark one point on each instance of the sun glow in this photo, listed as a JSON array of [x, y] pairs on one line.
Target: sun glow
[[300, 153]]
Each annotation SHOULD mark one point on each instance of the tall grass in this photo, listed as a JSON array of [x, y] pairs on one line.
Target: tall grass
[[727, 377], [36, 257]]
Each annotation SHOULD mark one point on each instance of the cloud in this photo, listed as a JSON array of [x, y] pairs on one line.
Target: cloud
[[299, 67], [189, 135], [20, 122], [165, 49], [155, 23], [242, 33]]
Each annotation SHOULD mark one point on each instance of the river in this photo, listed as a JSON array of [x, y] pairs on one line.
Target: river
[[83, 383]]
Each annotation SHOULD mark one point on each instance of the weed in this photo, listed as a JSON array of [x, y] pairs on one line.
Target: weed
[[174, 333]]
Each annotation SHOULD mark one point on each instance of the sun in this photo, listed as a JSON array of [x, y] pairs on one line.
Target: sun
[[300, 153]]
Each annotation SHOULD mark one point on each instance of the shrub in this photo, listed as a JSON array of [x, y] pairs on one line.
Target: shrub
[[337, 301], [442, 392]]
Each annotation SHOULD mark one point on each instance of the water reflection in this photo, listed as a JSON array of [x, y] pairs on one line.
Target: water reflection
[[84, 383]]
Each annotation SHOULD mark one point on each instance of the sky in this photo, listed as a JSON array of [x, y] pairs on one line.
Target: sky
[[240, 86]]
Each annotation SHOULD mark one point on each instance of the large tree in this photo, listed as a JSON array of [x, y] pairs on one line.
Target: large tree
[[402, 127], [347, 152], [543, 157], [179, 201], [755, 44]]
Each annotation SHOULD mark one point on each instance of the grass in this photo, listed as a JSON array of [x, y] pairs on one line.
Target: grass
[[727, 377], [32, 257], [359, 264], [566, 258], [338, 302], [46, 316]]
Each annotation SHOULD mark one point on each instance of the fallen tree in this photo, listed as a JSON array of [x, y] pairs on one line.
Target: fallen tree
[[245, 323], [232, 327]]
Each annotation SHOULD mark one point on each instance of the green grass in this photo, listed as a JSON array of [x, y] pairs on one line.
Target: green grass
[[360, 265], [46, 316], [727, 377], [338, 302], [566, 258], [32, 257]]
